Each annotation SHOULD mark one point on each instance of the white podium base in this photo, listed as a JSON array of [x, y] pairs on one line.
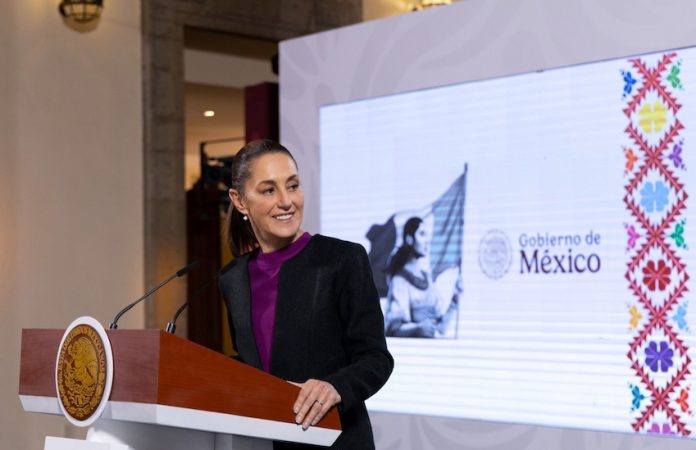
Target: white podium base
[[192, 421], [56, 443], [141, 436]]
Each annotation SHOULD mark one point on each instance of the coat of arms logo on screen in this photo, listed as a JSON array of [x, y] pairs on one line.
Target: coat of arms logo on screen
[[84, 371], [495, 254]]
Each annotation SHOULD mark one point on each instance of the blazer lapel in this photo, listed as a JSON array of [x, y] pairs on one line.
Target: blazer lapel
[[297, 294], [242, 300]]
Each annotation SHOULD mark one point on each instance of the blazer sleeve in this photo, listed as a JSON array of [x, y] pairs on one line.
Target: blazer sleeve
[[369, 361]]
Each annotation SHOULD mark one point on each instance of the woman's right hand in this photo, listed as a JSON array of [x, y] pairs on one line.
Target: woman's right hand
[[315, 399], [427, 328]]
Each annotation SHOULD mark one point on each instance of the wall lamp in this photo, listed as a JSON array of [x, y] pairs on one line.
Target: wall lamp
[[81, 11], [423, 4]]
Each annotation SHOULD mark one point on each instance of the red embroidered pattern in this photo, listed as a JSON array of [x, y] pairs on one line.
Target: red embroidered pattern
[[656, 274]]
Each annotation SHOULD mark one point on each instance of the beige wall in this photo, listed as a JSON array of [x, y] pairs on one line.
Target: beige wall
[[71, 183], [219, 69]]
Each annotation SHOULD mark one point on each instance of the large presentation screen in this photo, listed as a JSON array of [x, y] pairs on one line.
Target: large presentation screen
[[531, 237]]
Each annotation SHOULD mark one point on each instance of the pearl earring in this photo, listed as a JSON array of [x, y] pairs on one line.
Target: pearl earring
[[245, 218]]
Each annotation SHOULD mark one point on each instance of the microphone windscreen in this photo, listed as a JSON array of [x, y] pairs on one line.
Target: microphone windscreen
[[193, 266]]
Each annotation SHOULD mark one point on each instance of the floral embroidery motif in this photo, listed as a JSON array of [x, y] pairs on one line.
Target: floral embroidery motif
[[637, 397], [666, 429], [683, 400], [680, 317], [678, 235], [653, 118], [676, 157], [673, 76], [658, 359], [632, 236], [656, 275], [629, 81], [631, 160], [635, 316], [654, 198]]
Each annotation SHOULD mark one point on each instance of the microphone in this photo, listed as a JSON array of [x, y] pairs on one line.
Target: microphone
[[171, 325], [179, 273]]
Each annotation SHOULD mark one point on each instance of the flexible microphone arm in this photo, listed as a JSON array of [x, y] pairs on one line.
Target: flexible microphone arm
[[181, 272], [171, 325]]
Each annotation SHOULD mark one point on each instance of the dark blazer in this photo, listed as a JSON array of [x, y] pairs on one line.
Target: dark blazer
[[328, 326]]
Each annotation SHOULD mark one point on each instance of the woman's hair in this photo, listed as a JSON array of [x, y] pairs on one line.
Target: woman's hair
[[238, 232], [406, 251]]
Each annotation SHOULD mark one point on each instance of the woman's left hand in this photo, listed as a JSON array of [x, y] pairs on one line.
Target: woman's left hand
[[316, 398]]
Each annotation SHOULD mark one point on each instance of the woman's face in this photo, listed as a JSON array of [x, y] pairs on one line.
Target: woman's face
[[421, 240], [272, 200]]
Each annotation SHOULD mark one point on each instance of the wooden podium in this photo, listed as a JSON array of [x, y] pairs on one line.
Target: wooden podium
[[166, 381]]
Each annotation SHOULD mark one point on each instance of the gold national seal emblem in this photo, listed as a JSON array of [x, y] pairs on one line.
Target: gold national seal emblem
[[83, 371]]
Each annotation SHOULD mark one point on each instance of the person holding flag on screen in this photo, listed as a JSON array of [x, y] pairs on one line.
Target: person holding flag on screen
[[431, 246]]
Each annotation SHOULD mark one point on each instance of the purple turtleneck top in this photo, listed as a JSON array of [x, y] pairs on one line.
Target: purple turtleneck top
[[264, 269]]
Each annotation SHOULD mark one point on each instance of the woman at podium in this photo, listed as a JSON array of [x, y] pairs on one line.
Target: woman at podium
[[302, 307]]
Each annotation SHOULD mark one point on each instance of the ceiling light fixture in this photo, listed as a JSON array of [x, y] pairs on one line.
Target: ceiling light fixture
[[209, 113]]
